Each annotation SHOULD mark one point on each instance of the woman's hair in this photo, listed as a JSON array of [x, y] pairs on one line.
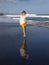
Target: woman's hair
[[24, 12]]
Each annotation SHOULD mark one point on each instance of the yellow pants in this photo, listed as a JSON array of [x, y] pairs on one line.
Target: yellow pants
[[23, 25]]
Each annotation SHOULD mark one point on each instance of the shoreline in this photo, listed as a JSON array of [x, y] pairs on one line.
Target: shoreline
[[29, 23], [45, 24]]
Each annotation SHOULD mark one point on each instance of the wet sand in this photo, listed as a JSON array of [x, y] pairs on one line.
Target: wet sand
[[11, 39], [37, 23]]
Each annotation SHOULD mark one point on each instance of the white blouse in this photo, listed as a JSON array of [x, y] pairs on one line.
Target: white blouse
[[22, 19]]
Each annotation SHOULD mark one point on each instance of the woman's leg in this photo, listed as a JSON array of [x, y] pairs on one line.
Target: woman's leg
[[24, 32]]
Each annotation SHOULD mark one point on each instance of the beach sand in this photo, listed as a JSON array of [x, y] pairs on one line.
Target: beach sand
[[11, 39]]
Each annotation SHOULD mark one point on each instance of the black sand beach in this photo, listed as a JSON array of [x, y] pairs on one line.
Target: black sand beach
[[11, 39]]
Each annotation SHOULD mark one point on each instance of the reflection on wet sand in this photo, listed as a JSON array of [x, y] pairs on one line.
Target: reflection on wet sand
[[23, 50]]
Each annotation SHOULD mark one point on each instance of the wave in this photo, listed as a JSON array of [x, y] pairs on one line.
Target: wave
[[29, 15]]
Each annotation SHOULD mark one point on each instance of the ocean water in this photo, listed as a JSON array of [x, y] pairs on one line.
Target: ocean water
[[38, 19], [14, 19], [11, 40]]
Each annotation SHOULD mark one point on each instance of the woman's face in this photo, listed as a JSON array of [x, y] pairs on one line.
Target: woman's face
[[23, 14]]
